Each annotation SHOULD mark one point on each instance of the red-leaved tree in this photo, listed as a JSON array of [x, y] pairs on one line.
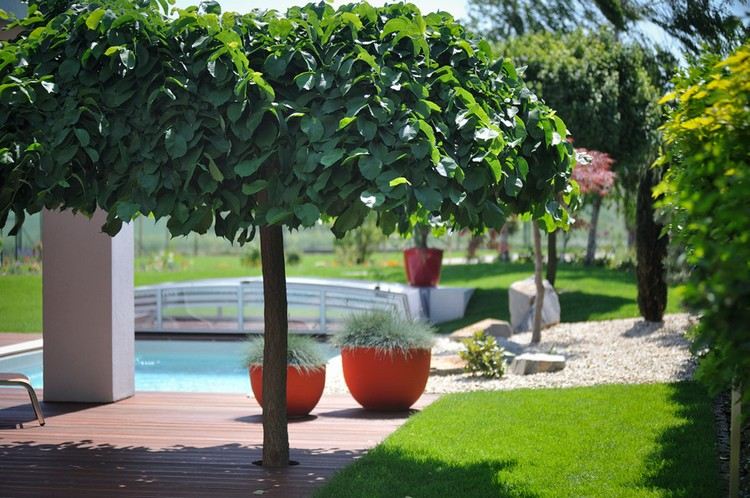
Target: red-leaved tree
[[596, 180]]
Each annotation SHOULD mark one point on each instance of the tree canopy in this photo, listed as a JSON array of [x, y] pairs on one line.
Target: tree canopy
[[705, 191], [602, 90], [692, 24], [239, 121]]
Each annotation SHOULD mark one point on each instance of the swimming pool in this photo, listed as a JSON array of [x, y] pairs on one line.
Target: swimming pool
[[169, 365]]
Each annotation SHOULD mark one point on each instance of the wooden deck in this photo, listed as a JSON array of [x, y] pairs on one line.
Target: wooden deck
[[175, 444]]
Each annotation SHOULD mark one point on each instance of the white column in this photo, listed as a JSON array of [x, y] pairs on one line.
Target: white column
[[89, 339]]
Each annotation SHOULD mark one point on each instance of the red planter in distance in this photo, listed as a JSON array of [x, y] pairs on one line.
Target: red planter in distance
[[303, 388], [386, 380], [423, 266]]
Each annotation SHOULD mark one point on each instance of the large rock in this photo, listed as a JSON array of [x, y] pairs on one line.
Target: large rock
[[532, 363], [521, 298], [490, 326]]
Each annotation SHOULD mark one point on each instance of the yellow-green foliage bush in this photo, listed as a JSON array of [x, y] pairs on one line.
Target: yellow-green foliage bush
[[707, 191]]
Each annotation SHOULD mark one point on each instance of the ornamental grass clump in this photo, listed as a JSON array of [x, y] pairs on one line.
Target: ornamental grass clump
[[385, 331], [303, 353]]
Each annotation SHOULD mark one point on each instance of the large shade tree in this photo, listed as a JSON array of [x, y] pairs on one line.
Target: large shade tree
[[263, 121], [689, 24]]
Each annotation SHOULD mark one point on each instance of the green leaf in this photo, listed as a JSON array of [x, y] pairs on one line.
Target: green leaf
[[367, 129], [69, 68], [214, 170], [486, 134], [128, 58], [254, 187], [249, 166], [349, 219], [446, 167], [370, 167], [95, 18], [175, 144], [399, 181], [331, 157], [307, 214], [305, 81], [312, 127], [83, 137], [344, 122], [277, 215], [429, 198], [425, 127], [372, 199], [114, 49], [408, 132], [522, 167]]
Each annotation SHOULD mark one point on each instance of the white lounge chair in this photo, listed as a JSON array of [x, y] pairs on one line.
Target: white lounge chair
[[20, 380]]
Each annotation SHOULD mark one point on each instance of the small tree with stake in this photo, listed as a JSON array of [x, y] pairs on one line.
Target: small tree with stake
[[261, 121]]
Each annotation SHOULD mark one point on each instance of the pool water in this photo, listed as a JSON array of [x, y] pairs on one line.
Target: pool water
[[169, 365]]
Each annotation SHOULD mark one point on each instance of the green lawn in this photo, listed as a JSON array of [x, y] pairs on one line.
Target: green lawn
[[585, 293], [605, 441]]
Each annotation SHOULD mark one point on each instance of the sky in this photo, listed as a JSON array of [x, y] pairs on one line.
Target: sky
[[456, 7]]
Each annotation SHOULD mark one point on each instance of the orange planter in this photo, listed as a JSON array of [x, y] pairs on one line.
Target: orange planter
[[303, 388], [390, 381]]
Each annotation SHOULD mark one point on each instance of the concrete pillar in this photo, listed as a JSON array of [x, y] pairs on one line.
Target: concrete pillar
[[89, 339]]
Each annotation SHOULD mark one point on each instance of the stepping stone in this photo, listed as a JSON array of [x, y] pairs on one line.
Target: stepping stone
[[490, 326], [447, 365], [532, 363]]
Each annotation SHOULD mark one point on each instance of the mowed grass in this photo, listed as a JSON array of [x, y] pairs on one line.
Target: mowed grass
[[585, 293], [606, 441]]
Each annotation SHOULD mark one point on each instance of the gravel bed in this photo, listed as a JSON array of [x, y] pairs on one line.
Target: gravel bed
[[628, 351]]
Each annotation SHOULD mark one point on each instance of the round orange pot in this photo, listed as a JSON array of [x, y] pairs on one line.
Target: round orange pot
[[386, 380], [303, 388]]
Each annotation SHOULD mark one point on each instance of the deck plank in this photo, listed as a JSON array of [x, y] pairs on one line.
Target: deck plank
[[176, 444]]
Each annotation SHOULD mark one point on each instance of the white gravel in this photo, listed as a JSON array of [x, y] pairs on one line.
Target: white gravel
[[628, 351]]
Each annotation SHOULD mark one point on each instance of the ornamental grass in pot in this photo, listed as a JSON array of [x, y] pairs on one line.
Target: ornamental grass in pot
[[306, 373], [386, 359]]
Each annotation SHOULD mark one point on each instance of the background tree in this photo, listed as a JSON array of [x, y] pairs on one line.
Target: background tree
[[600, 87], [263, 121], [595, 181], [705, 192], [690, 24]]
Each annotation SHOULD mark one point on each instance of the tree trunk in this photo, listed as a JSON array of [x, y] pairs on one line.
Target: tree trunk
[[591, 246], [552, 257], [536, 332], [275, 433], [504, 245], [735, 443], [651, 251]]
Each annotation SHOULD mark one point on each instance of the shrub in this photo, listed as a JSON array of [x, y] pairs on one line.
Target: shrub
[[706, 189], [483, 356], [251, 258], [358, 245], [303, 353], [384, 330], [293, 258]]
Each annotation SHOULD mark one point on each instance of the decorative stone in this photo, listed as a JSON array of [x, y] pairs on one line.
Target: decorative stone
[[490, 326], [532, 363], [447, 365], [521, 298]]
